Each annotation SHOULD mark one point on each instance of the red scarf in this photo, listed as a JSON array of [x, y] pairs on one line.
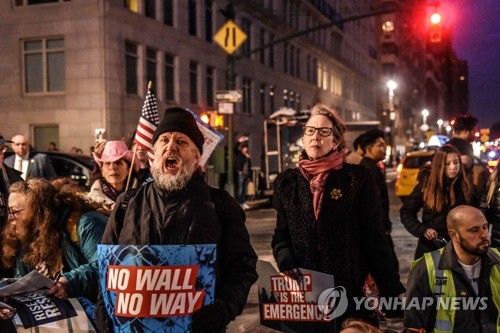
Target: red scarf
[[316, 172]]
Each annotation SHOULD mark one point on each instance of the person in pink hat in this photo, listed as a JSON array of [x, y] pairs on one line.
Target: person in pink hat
[[114, 163]]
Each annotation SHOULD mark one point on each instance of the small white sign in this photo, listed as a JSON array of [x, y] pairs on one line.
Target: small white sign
[[233, 96], [99, 134], [226, 108]]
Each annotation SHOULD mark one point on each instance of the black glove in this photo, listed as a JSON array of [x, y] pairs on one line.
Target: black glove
[[295, 274], [210, 318], [286, 261]]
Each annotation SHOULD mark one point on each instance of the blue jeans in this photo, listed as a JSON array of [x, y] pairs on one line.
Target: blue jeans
[[243, 180]]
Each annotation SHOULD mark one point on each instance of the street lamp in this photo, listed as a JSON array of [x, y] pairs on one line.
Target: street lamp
[[425, 114], [448, 130], [440, 125], [392, 85]]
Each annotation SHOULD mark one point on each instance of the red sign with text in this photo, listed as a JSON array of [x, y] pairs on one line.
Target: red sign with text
[[154, 291]]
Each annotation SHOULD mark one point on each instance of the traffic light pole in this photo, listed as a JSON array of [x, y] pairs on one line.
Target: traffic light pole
[[230, 85], [338, 22]]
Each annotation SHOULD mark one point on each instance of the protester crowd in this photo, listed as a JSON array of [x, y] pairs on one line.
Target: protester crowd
[[332, 217]]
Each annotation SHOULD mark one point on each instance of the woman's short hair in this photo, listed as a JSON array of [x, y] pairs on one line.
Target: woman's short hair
[[337, 122]]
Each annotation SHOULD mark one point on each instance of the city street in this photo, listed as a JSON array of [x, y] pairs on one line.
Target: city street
[[260, 224]]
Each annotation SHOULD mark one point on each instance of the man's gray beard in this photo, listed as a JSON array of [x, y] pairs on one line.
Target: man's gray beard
[[171, 183]]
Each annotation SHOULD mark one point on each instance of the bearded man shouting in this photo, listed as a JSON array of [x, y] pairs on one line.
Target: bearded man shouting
[[179, 208]]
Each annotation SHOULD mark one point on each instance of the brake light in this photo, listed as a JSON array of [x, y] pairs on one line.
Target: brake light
[[398, 170]]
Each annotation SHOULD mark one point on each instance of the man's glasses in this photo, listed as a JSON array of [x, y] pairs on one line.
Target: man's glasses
[[323, 131], [3, 149], [13, 212]]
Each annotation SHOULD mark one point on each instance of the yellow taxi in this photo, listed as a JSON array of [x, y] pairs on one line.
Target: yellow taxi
[[407, 171]]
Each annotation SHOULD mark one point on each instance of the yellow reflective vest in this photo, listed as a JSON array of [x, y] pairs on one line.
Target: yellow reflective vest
[[442, 284]]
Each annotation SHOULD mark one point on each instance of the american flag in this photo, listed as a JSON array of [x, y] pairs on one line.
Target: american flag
[[147, 124]]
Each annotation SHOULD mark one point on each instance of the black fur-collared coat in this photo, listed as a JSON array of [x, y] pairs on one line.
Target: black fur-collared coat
[[348, 239]]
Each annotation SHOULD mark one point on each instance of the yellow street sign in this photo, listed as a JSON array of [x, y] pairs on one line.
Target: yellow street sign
[[230, 37]]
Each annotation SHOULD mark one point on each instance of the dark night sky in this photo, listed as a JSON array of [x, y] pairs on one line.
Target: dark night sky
[[476, 38]]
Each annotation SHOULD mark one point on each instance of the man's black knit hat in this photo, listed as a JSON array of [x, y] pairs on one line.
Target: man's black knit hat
[[177, 119]]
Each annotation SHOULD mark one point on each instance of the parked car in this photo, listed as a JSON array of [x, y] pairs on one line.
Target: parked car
[[407, 172], [75, 166]]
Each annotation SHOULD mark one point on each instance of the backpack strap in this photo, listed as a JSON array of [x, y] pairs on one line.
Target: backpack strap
[[122, 207], [217, 199]]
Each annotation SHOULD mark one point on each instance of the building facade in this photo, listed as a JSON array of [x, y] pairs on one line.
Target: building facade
[[71, 67]]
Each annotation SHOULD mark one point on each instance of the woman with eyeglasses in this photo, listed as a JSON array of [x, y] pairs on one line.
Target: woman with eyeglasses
[[438, 191], [328, 218], [8, 176], [55, 231]]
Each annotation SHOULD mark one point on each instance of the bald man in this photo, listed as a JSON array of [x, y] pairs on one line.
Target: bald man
[[463, 278], [31, 164]]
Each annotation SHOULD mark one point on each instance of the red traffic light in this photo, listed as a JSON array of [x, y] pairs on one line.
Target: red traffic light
[[435, 28], [436, 18]]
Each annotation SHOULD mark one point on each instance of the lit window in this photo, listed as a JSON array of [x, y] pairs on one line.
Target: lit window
[[132, 5], [146, 7]]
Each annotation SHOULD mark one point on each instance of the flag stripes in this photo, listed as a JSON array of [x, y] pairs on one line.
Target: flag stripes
[[148, 122]]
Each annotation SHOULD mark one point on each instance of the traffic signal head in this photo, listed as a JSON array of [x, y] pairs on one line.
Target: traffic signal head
[[213, 119], [205, 118], [435, 28]]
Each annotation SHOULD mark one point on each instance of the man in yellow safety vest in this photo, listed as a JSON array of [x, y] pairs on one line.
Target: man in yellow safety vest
[[456, 288]]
